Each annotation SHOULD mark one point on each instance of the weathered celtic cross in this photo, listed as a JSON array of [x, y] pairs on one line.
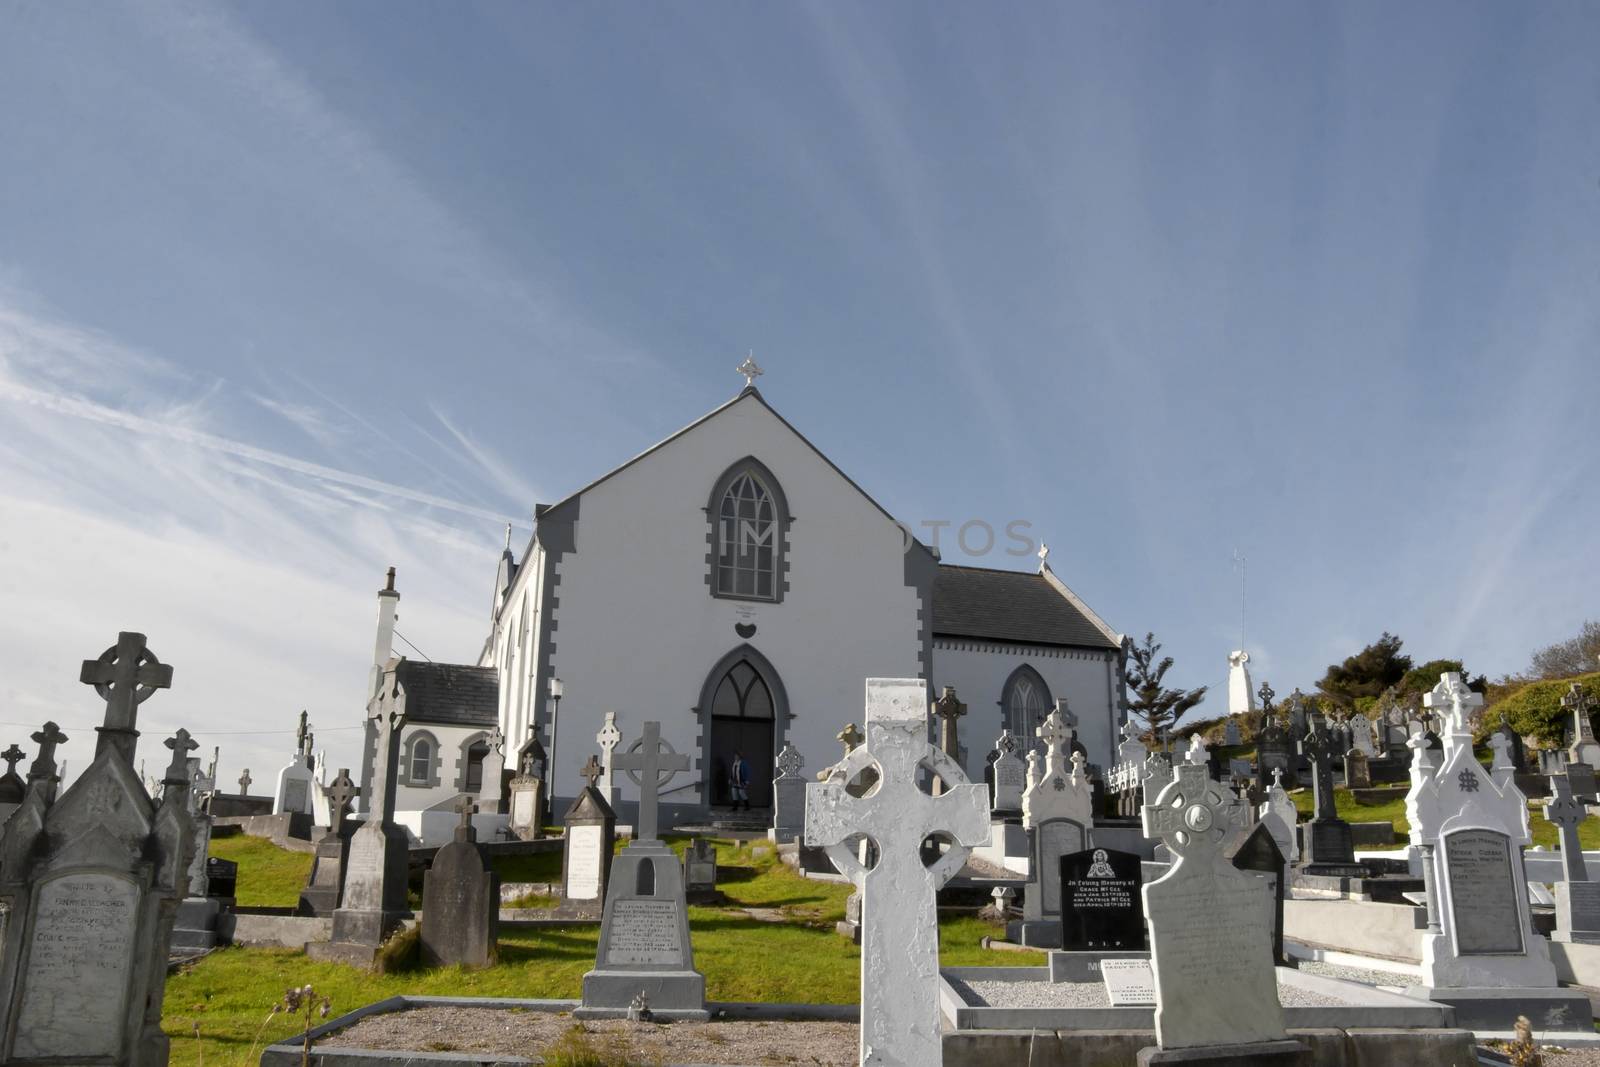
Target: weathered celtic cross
[[899, 937], [607, 739], [651, 762], [948, 710], [1583, 747], [44, 764], [13, 756], [1057, 734], [1566, 812], [244, 783], [125, 676], [1318, 747], [340, 794], [1452, 700]]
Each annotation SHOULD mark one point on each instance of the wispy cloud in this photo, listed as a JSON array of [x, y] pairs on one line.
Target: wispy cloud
[[311, 421], [500, 474]]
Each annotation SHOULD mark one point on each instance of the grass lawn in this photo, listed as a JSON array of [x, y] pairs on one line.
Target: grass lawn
[[229, 993], [269, 876], [1394, 811]]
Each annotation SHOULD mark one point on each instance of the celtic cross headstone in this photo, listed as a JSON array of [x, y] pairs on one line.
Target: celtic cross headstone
[[651, 762], [899, 952]]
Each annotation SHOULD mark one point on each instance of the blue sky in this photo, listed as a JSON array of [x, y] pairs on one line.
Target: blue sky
[[289, 293]]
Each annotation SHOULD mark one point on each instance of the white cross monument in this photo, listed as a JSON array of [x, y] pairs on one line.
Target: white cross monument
[[900, 929]]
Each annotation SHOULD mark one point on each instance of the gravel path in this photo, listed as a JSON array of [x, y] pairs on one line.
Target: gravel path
[[1091, 995], [531, 1033], [1364, 975]]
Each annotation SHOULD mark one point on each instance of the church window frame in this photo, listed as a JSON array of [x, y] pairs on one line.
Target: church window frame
[[747, 537], [409, 756], [1025, 700], [464, 751]]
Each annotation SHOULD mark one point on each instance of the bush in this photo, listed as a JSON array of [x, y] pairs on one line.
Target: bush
[[1535, 710]]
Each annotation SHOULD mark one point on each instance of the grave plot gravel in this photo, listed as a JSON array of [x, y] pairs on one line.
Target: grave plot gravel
[[1364, 975], [531, 1033], [1091, 995]]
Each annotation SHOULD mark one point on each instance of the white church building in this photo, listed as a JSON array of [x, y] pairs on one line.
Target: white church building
[[733, 584]]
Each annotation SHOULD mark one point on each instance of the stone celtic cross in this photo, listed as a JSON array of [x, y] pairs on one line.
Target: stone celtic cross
[[899, 938], [1453, 701], [1192, 814], [608, 738], [465, 808], [1056, 731], [790, 762], [948, 710], [181, 745], [13, 756], [244, 783], [1566, 813], [591, 771], [340, 794], [44, 764], [1318, 747], [125, 675], [651, 762], [1583, 743]]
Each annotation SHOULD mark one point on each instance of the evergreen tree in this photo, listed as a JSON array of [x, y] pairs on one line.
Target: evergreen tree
[[1367, 673], [1148, 699]]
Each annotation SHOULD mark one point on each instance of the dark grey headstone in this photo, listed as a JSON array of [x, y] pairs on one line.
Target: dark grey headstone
[[1101, 907], [1258, 853], [1580, 776], [1483, 894], [700, 871], [460, 905]]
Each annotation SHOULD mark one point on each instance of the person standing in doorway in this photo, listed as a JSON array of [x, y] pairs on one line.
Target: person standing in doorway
[[739, 781]]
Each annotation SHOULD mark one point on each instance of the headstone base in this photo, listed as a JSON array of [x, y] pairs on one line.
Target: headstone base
[[357, 936], [1577, 912], [1256, 1054], [1035, 933], [848, 929], [1085, 966], [678, 996], [195, 928], [1497, 1008], [1327, 842]]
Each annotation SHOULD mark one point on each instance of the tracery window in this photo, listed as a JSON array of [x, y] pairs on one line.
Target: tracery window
[[748, 518]]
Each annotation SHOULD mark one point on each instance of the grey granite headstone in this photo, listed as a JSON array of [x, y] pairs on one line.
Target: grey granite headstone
[[591, 828], [91, 883], [644, 934], [195, 928], [1010, 777], [700, 872], [320, 896], [1580, 776], [1357, 770], [372, 901], [1210, 930], [460, 902], [788, 797]]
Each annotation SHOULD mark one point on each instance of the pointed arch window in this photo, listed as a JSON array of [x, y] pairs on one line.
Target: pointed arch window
[[749, 528], [1024, 702], [742, 694]]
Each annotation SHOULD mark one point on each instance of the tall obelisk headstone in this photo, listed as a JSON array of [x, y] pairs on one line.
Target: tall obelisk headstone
[[899, 943]]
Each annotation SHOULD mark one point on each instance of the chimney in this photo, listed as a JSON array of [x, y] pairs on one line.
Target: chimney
[[383, 648]]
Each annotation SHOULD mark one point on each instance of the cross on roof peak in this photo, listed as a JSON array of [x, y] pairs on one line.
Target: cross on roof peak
[[750, 369]]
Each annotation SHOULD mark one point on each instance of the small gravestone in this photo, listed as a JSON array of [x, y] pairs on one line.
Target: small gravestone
[[1361, 735], [591, 831], [1329, 846], [372, 900], [1058, 811], [900, 1024], [1129, 983], [608, 738], [222, 880], [644, 934], [1581, 780], [1210, 936], [1577, 900], [1258, 853], [89, 883], [460, 902], [1357, 770], [1230, 732], [494, 768], [788, 797], [1101, 903], [528, 811], [320, 896], [1280, 816], [1010, 777], [295, 781], [700, 872]]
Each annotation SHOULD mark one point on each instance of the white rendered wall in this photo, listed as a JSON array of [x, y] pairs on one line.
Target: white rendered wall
[[637, 629], [978, 670], [449, 754]]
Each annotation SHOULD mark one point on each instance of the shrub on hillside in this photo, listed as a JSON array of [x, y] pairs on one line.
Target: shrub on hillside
[[1535, 710]]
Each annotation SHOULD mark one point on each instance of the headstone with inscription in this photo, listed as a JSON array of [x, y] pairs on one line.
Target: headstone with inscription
[[1480, 952], [1102, 907], [644, 934], [1129, 983], [1058, 812], [1230, 732], [1210, 936], [1361, 735], [788, 797], [900, 1023], [372, 900], [90, 884], [1577, 899], [1328, 845], [1581, 780], [700, 872], [320, 895], [528, 801], [591, 830], [1010, 777], [296, 781], [1357, 770], [460, 902], [1258, 853]]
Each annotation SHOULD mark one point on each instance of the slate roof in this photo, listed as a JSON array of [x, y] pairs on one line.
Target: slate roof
[[1010, 606], [450, 694]]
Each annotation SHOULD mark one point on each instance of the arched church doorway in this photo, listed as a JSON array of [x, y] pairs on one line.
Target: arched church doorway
[[745, 702]]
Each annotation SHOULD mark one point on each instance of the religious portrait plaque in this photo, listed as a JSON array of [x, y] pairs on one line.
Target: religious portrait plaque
[[77, 971], [1101, 907], [1483, 893]]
